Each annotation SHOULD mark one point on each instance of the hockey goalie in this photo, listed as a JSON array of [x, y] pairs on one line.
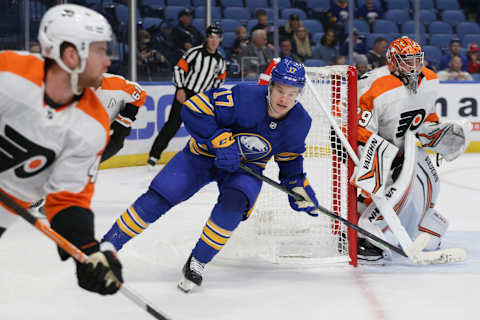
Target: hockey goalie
[[397, 125]]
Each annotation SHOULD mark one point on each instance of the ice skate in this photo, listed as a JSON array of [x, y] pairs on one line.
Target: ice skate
[[368, 253], [192, 275]]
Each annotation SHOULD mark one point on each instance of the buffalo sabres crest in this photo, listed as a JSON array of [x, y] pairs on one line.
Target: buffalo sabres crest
[[253, 146]]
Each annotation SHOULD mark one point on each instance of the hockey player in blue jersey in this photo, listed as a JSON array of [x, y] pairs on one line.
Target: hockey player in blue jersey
[[250, 124]]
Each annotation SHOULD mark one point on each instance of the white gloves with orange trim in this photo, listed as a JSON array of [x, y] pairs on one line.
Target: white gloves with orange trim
[[226, 150], [449, 138]]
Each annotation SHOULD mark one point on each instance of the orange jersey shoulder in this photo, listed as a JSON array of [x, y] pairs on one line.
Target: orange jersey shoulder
[[114, 82], [23, 64], [91, 105]]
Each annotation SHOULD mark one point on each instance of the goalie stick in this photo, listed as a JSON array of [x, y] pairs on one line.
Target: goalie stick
[[412, 249], [76, 253]]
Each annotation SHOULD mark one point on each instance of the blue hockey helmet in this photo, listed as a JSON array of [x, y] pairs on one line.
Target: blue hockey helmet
[[289, 72]]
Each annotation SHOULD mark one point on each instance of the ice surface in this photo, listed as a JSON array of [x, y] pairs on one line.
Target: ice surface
[[34, 284]]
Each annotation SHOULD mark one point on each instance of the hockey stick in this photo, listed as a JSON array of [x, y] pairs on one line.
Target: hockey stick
[[323, 210], [76, 253], [412, 249]]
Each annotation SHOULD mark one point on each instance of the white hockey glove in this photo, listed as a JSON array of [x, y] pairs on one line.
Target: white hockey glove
[[449, 139], [373, 169]]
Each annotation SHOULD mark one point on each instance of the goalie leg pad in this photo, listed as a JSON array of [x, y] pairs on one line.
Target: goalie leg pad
[[372, 172], [436, 226]]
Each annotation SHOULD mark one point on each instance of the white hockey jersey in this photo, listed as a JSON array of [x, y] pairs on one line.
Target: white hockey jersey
[[389, 110], [47, 151], [115, 92]]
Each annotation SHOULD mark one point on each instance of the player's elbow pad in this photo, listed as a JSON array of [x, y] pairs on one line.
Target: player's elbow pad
[[77, 226]]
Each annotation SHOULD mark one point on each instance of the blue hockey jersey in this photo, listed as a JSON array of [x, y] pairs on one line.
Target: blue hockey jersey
[[243, 110]]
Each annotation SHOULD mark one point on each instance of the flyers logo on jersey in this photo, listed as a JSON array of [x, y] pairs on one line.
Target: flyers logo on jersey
[[410, 120], [28, 158], [253, 146]]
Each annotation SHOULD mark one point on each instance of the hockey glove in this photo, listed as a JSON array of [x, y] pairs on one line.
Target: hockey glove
[[227, 154], [449, 139], [103, 271], [300, 185]]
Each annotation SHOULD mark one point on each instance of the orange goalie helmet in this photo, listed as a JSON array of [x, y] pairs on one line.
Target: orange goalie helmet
[[405, 57]]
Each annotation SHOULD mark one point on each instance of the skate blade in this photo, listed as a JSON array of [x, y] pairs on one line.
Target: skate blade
[[185, 285], [371, 262]]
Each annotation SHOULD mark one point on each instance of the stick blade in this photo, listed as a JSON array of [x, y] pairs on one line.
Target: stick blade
[[444, 256]]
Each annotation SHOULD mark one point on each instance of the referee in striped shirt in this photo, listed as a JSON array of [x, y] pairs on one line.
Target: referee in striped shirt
[[201, 68]]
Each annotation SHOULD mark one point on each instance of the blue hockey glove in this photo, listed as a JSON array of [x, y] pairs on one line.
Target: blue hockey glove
[[226, 150], [299, 184]]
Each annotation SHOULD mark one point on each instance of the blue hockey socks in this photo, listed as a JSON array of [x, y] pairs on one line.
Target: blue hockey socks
[[146, 209], [225, 217]]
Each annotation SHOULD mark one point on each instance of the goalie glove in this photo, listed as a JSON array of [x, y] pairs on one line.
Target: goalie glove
[[449, 139], [372, 172], [300, 185], [103, 271], [227, 153]]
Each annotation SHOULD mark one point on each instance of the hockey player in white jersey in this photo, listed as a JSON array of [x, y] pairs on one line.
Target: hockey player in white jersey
[[53, 130], [397, 102], [122, 99]]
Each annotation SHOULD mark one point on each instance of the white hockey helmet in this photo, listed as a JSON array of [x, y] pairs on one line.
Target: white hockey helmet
[[74, 24]]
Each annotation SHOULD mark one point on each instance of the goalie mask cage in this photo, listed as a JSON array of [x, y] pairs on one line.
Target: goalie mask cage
[[276, 233]]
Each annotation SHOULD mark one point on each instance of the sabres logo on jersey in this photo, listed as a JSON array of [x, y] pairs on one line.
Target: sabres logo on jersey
[[253, 146]]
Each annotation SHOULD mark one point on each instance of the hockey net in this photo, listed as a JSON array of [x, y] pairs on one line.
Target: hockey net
[[274, 231]]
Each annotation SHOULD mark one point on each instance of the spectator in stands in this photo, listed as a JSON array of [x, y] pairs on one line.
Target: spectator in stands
[[427, 63], [471, 8], [255, 57], [377, 55], [184, 34], [286, 49], [369, 12], [291, 25], [361, 63], [327, 48], [301, 44], [34, 47], [262, 19], [340, 60], [455, 48], [242, 40], [337, 16], [150, 59], [455, 71], [473, 61], [360, 45]]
